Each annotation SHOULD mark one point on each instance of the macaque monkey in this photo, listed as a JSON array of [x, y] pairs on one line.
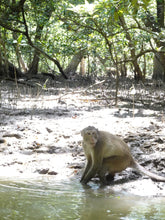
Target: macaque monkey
[[108, 154]]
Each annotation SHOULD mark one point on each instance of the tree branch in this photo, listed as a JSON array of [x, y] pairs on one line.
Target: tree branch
[[20, 8], [26, 33]]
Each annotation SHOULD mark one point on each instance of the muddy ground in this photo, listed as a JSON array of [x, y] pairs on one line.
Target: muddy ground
[[41, 125]]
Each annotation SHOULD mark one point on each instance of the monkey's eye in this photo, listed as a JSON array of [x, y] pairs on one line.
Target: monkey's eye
[[88, 133]]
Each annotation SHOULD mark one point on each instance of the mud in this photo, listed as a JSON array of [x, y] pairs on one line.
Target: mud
[[42, 127]]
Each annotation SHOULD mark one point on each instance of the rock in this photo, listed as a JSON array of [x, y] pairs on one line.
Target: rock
[[49, 130], [43, 171], [159, 140], [52, 173]]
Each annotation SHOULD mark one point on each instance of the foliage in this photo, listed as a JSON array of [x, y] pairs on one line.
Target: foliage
[[118, 32]]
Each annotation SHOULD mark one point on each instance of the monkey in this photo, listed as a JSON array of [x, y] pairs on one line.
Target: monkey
[[108, 154]]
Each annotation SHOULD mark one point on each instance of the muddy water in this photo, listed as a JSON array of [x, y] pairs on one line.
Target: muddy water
[[45, 199]]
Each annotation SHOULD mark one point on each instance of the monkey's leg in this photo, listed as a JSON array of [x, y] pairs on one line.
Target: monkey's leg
[[110, 177], [102, 176], [116, 164]]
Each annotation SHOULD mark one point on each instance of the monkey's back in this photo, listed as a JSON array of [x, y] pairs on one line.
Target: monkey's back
[[113, 145], [117, 155]]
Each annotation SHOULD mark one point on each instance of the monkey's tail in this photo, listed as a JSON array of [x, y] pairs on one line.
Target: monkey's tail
[[153, 176]]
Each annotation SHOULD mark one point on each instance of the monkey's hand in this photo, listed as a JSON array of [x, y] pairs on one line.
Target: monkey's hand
[[91, 173]]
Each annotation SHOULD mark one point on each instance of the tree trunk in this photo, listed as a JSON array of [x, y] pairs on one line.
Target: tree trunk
[[76, 59], [82, 67], [34, 66], [159, 67], [160, 12], [123, 70], [33, 70], [137, 71], [159, 59], [21, 62], [7, 69], [2, 72], [4, 58]]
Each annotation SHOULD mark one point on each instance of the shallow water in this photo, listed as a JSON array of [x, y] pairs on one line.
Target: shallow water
[[45, 199]]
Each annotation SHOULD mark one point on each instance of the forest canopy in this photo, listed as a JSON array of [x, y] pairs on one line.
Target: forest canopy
[[98, 38]]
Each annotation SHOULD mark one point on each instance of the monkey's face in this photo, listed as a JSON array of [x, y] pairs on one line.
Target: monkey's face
[[90, 135]]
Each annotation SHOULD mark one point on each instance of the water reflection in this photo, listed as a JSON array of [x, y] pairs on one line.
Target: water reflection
[[28, 200]]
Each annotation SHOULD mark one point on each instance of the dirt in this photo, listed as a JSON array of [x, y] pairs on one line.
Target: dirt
[[42, 124]]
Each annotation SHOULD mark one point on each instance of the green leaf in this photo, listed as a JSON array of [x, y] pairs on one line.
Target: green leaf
[[19, 39]]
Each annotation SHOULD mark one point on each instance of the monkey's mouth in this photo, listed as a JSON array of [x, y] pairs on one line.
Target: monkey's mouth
[[92, 143]]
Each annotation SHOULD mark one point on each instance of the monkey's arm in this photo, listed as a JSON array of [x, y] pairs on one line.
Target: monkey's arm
[[94, 168], [87, 168], [91, 173]]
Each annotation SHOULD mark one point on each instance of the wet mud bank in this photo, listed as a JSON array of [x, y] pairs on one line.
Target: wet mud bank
[[42, 133]]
